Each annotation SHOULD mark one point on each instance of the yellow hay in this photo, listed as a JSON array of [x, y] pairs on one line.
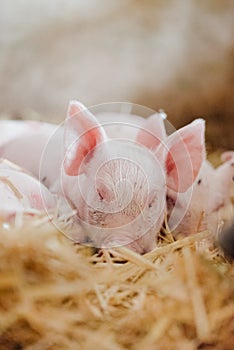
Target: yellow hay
[[58, 295]]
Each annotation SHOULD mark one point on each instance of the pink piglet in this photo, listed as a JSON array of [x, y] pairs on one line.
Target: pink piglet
[[118, 185], [207, 205], [22, 194]]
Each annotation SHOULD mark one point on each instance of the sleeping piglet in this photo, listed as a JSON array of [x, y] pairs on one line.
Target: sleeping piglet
[[207, 204], [118, 183]]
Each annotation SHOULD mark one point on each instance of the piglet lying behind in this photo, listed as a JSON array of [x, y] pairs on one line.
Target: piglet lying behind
[[207, 204], [23, 142]]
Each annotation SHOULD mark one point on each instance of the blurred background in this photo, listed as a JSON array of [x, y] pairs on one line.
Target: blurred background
[[171, 54]]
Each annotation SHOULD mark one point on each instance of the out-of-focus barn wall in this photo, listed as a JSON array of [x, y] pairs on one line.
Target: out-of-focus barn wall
[[174, 54]]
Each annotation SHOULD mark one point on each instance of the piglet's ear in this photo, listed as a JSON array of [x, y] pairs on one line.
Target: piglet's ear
[[185, 154], [227, 156], [153, 131], [82, 133]]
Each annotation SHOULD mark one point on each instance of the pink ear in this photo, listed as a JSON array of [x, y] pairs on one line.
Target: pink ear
[[227, 156], [153, 131], [82, 133], [186, 152]]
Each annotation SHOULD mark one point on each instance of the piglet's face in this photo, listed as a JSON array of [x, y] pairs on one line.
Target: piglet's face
[[124, 194], [120, 185]]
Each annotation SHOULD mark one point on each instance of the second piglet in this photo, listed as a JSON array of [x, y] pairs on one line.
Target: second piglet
[[207, 204]]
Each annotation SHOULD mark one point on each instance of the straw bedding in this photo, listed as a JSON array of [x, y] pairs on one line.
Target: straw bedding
[[55, 294]]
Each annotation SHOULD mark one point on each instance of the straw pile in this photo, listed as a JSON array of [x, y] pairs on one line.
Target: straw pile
[[55, 294]]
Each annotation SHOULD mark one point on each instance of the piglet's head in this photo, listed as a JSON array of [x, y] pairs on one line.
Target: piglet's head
[[121, 185], [182, 153]]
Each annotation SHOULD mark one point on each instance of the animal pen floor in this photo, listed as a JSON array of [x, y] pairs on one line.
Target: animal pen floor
[[58, 295]]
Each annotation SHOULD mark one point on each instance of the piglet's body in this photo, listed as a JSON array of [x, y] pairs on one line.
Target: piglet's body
[[21, 193]]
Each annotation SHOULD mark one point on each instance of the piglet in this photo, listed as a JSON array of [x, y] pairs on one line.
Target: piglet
[[118, 185], [21, 194], [207, 204], [23, 142]]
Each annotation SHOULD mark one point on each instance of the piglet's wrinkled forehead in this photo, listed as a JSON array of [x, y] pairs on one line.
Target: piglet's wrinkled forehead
[[121, 159]]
